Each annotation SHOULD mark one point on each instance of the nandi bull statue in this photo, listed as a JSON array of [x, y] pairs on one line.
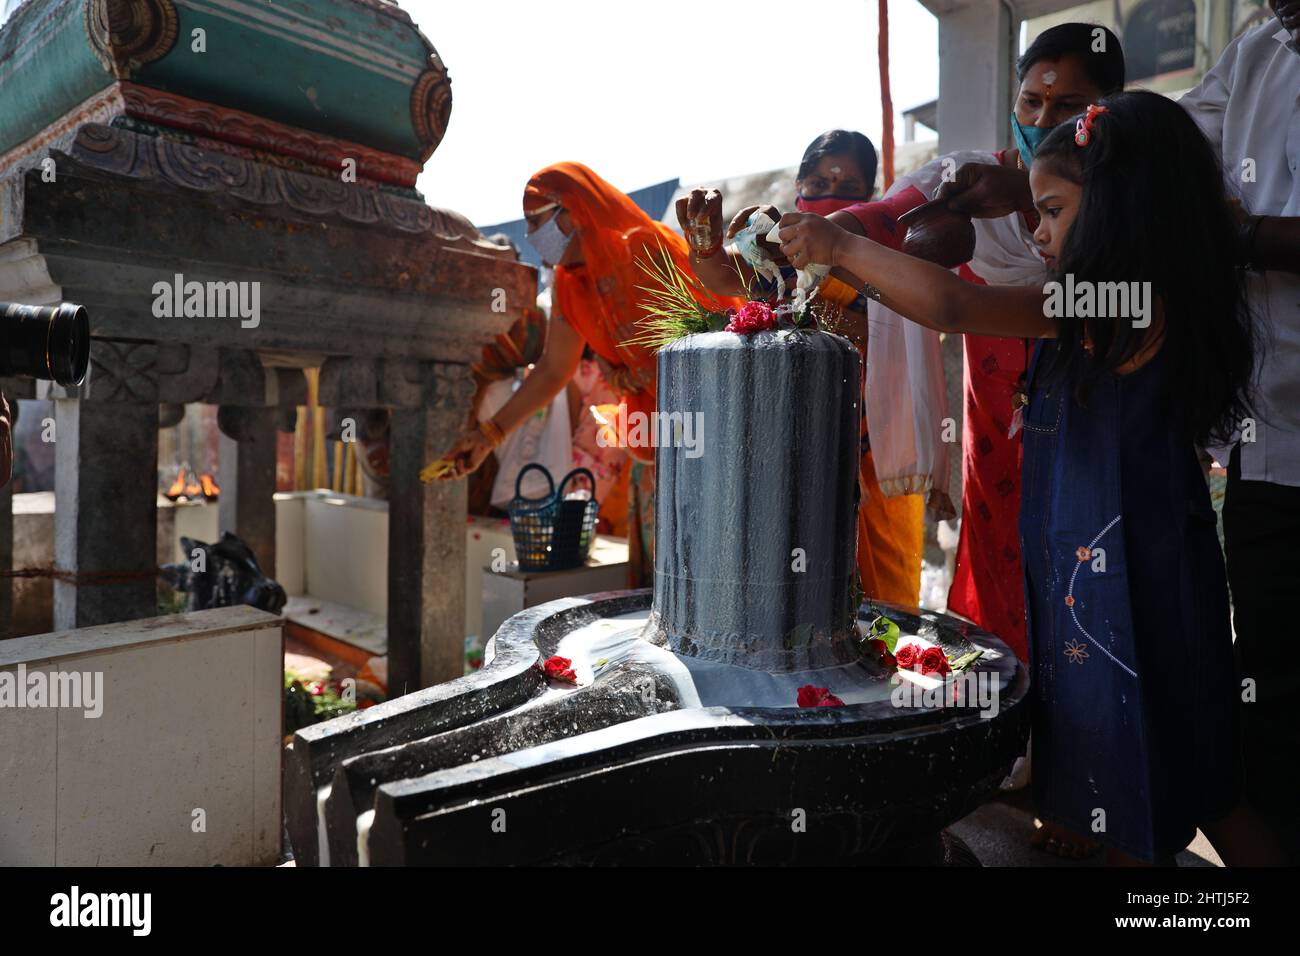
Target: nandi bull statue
[[223, 574]]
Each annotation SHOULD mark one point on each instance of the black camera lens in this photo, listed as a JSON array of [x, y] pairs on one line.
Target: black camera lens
[[50, 342]]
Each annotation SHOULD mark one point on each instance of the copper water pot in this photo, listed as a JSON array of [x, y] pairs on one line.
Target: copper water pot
[[939, 234]]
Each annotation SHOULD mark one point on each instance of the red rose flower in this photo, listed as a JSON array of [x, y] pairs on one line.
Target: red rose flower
[[560, 668], [752, 317], [906, 657], [934, 662], [881, 650], [810, 696]]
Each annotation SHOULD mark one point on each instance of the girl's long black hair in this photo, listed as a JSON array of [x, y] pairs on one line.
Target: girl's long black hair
[[1154, 209]]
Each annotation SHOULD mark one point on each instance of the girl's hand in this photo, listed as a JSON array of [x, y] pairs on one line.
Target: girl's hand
[[807, 239]]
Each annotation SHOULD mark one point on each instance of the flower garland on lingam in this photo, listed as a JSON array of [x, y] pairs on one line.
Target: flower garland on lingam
[[674, 296]]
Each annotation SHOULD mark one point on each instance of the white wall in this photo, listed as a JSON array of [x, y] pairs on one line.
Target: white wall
[[191, 720]]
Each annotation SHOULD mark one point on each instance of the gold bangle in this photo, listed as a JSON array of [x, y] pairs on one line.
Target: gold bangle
[[492, 432]]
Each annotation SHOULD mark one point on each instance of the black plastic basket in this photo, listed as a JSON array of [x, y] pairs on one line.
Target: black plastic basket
[[552, 534]]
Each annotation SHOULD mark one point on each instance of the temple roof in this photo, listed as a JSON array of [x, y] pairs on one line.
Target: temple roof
[[355, 71]]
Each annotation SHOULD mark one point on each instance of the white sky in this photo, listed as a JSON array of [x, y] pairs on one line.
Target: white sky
[[643, 92]]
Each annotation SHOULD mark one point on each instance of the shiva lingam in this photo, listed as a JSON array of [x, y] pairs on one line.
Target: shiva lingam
[[670, 729]]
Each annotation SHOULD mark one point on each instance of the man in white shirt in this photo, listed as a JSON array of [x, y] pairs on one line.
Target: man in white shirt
[[1248, 105]]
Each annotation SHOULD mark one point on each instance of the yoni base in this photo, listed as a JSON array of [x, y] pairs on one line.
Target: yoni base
[[502, 768]]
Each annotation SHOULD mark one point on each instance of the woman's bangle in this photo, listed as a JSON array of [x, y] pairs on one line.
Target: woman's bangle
[[491, 431]]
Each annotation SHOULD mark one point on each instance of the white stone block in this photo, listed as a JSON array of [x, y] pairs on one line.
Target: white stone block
[[191, 721]]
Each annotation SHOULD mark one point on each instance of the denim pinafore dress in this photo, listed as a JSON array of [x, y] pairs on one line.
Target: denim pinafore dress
[[1134, 725]]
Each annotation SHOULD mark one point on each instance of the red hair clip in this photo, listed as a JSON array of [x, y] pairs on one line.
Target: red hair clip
[[1083, 128]]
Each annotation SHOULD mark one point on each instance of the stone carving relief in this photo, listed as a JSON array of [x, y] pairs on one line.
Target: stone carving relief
[[257, 133], [131, 154], [431, 105], [122, 372], [127, 34]]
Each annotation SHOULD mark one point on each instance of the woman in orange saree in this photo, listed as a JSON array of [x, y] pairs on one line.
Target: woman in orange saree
[[593, 235]]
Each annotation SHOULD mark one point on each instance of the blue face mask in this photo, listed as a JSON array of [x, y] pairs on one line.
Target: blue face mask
[[550, 241], [1028, 138]]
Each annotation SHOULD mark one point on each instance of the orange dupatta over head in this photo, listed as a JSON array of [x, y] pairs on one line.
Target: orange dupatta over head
[[600, 297]]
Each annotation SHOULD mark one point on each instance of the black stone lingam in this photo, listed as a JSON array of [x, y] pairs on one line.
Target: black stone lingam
[[682, 741], [753, 566]]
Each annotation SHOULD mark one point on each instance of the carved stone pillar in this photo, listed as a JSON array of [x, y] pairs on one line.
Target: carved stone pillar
[[106, 474], [426, 559], [247, 505], [105, 519], [426, 522], [426, 529], [252, 398]]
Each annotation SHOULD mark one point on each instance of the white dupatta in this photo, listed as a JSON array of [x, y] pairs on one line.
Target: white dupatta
[[905, 394]]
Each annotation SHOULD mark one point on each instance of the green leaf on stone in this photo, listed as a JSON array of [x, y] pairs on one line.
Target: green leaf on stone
[[883, 629], [966, 660]]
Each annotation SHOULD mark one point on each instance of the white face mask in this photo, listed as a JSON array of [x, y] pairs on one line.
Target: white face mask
[[550, 241]]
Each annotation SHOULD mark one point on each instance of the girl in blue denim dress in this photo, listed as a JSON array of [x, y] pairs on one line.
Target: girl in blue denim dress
[[1145, 353]]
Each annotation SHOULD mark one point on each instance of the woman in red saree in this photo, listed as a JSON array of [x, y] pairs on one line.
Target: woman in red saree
[[593, 235]]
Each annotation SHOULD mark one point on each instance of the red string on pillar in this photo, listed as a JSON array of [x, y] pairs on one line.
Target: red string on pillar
[[886, 99]]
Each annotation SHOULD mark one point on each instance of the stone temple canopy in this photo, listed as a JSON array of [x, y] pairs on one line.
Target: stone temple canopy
[[267, 148]]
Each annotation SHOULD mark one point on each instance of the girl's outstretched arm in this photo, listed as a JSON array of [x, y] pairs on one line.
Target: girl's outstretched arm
[[1276, 243], [921, 291]]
